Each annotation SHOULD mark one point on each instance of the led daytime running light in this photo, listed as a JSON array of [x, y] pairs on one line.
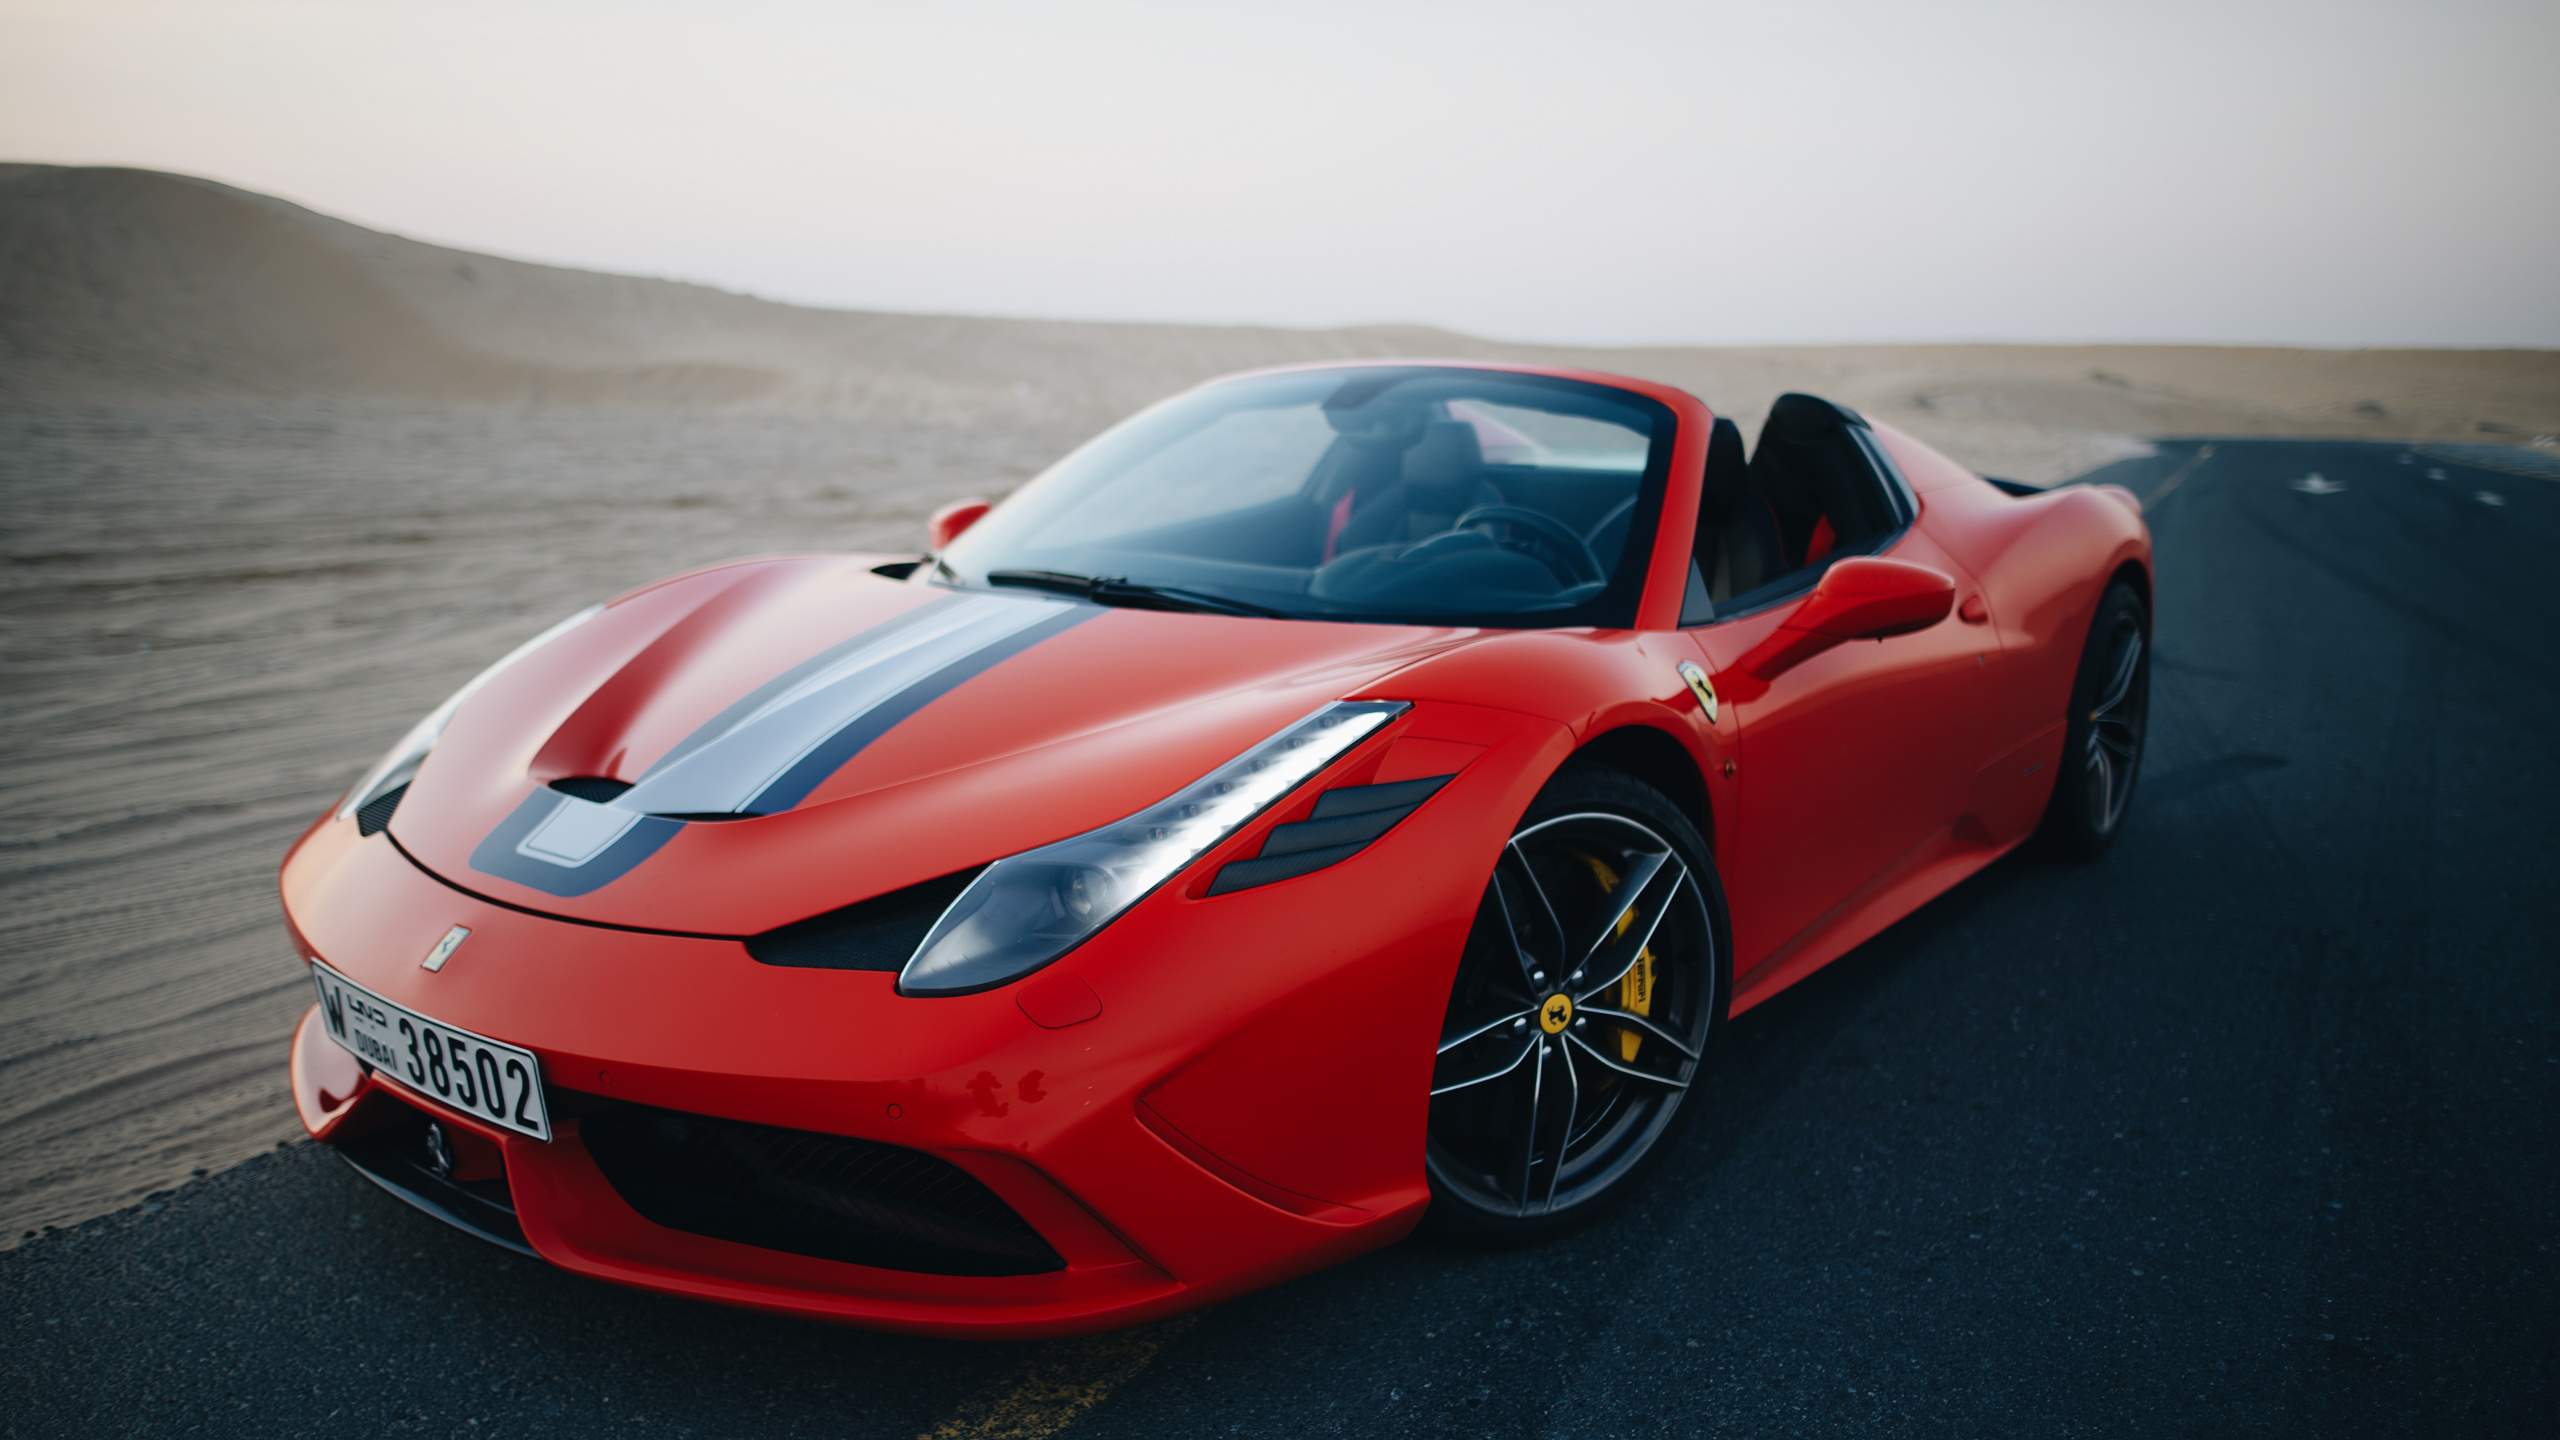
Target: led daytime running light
[[1026, 910]]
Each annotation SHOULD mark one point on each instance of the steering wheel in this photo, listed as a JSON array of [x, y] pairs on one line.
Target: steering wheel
[[1579, 566]]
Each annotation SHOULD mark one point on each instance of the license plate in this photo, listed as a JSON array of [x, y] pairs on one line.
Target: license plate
[[483, 1078]]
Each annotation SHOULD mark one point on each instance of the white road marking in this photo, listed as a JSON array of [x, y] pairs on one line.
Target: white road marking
[[2203, 453], [2314, 484], [2490, 497]]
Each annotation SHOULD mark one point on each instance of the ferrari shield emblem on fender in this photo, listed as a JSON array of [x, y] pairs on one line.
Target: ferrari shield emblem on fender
[[445, 947], [1555, 1014], [1701, 687]]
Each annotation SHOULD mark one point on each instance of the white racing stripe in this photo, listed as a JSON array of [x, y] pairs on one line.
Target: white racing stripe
[[736, 759], [731, 769]]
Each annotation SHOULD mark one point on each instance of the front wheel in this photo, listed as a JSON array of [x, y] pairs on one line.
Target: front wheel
[[1584, 1001]]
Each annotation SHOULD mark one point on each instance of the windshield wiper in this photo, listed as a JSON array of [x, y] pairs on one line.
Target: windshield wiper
[[1129, 594]]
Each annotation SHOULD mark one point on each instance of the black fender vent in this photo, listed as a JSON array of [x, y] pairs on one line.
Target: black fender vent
[[825, 1196], [880, 933], [375, 813], [1344, 823]]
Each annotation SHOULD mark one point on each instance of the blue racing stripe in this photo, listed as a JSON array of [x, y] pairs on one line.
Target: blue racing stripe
[[499, 854]]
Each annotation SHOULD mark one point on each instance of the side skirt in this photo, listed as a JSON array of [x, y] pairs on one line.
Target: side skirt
[[1935, 866]]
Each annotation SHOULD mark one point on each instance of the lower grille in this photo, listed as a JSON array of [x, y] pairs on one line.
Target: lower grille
[[824, 1196], [400, 1158]]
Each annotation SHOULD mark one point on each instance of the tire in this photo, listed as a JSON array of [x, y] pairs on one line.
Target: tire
[[1514, 1156], [2102, 744]]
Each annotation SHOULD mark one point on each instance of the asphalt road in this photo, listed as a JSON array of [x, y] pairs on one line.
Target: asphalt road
[[2250, 1128]]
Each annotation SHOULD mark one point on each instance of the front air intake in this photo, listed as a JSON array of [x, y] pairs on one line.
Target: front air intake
[[880, 933], [829, 1197]]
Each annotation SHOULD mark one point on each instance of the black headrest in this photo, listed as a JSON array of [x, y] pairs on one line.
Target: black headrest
[[1728, 472], [1443, 467], [1801, 418]]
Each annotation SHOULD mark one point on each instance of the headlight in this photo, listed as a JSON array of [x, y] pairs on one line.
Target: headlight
[[1027, 910], [400, 766]]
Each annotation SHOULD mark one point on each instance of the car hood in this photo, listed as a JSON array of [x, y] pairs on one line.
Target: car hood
[[753, 744]]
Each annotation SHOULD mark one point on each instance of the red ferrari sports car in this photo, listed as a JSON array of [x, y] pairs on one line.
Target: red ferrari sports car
[[1336, 799]]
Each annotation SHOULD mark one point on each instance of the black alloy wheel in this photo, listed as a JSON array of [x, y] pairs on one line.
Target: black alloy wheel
[[2102, 745], [1581, 1012]]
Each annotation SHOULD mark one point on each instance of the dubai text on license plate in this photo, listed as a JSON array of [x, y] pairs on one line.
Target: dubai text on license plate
[[489, 1081]]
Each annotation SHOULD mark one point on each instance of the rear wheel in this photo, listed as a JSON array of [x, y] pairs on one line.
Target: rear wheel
[[2102, 745], [1582, 1010]]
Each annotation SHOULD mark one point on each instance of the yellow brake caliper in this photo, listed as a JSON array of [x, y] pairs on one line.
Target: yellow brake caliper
[[1635, 990]]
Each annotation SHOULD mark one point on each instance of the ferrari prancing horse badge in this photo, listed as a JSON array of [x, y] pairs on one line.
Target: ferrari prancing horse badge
[[1701, 687], [445, 947]]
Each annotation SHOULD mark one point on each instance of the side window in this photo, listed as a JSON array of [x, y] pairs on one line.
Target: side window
[[1818, 487]]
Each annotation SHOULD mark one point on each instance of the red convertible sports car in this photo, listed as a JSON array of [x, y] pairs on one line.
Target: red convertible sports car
[[1336, 799]]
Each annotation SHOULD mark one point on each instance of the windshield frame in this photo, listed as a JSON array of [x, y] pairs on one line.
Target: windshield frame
[[1616, 606]]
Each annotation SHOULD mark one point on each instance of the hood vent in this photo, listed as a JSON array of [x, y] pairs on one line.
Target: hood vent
[[881, 933], [375, 813], [596, 788]]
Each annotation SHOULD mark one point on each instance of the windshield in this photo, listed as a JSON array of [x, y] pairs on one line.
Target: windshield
[[1407, 494]]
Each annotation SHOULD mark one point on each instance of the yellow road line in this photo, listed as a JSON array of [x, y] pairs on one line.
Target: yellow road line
[[1056, 1386]]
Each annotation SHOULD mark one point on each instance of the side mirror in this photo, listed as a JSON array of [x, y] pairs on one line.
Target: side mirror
[[950, 520], [1860, 598]]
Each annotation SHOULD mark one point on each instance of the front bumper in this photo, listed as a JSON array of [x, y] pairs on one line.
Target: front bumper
[[1249, 1106]]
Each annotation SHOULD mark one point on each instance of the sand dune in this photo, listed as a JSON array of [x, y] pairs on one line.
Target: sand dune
[[128, 287], [273, 484]]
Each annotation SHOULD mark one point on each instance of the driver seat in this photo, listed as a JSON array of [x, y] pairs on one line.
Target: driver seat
[[1442, 478]]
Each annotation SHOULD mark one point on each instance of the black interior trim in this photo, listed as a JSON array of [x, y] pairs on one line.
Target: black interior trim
[[1805, 421]]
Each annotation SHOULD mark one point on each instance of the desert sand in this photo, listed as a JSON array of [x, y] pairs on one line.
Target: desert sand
[[272, 484]]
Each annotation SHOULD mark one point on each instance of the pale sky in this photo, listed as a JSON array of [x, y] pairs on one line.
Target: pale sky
[[2176, 170]]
